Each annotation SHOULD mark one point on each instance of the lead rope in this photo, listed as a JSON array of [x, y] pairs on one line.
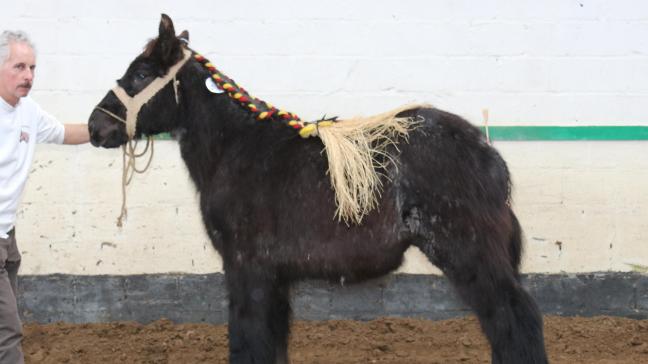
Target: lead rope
[[129, 164], [133, 104]]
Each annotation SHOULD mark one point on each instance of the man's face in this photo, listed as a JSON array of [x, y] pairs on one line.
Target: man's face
[[17, 73]]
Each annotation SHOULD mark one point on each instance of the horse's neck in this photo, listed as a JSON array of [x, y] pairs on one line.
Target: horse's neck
[[210, 124]]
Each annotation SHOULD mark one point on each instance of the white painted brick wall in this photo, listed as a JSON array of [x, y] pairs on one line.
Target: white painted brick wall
[[550, 62], [553, 62], [589, 196]]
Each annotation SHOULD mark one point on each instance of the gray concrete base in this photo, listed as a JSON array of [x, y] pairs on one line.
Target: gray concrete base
[[202, 298]]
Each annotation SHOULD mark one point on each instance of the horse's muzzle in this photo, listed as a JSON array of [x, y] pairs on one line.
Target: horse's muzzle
[[105, 132]]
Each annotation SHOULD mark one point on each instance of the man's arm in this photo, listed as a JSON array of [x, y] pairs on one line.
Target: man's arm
[[76, 134]]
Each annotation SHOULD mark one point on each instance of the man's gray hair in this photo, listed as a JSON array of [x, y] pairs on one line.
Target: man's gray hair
[[7, 37]]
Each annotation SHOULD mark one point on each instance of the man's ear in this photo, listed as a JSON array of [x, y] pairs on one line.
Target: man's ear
[[167, 48]]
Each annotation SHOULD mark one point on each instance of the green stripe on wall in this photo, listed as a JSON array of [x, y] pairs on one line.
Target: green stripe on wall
[[163, 136], [555, 133], [525, 133]]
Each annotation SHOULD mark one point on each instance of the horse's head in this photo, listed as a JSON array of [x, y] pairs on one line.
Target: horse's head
[[145, 100]]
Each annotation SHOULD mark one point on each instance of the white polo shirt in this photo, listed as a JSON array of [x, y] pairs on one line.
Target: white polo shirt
[[21, 127]]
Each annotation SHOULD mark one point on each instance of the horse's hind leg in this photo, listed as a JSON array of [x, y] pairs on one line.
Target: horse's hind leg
[[481, 260], [259, 314], [279, 320]]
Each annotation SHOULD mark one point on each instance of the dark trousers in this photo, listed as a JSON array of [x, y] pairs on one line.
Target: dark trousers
[[10, 325]]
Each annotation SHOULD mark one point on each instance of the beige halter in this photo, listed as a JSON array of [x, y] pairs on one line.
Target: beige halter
[[134, 104]]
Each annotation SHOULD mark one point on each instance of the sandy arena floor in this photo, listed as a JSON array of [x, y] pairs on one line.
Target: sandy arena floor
[[389, 340]]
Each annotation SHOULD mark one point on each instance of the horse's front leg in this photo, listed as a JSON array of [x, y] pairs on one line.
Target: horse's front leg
[[259, 315]]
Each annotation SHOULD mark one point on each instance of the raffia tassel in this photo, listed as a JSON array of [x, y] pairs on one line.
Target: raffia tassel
[[356, 149]]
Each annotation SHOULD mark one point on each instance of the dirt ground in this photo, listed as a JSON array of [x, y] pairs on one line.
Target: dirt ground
[[388, 340]]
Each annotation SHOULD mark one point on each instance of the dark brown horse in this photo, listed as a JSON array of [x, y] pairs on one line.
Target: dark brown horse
[[269, 208]]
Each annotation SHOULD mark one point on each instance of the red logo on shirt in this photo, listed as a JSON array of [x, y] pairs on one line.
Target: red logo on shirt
[[24, 136]]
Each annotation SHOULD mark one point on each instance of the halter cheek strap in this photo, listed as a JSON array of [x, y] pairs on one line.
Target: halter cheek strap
[[134, 104]]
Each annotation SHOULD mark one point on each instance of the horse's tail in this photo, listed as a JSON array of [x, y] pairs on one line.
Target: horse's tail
[[515, 243]]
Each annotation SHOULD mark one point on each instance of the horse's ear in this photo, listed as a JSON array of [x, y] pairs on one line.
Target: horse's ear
[[166, 26], [167, 48], [184, 37]]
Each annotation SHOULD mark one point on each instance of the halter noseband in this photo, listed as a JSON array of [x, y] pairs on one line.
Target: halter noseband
[[133, 104]]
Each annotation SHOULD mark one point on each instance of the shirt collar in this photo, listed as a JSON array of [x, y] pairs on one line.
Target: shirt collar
[[4, 106]]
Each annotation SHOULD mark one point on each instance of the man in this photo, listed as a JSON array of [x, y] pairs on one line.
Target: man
[[22, 124]]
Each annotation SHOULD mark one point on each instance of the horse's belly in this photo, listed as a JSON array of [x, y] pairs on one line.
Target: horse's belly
[[350, 261]]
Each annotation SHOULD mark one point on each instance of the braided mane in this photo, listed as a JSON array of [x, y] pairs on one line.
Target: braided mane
[[356, 148]]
